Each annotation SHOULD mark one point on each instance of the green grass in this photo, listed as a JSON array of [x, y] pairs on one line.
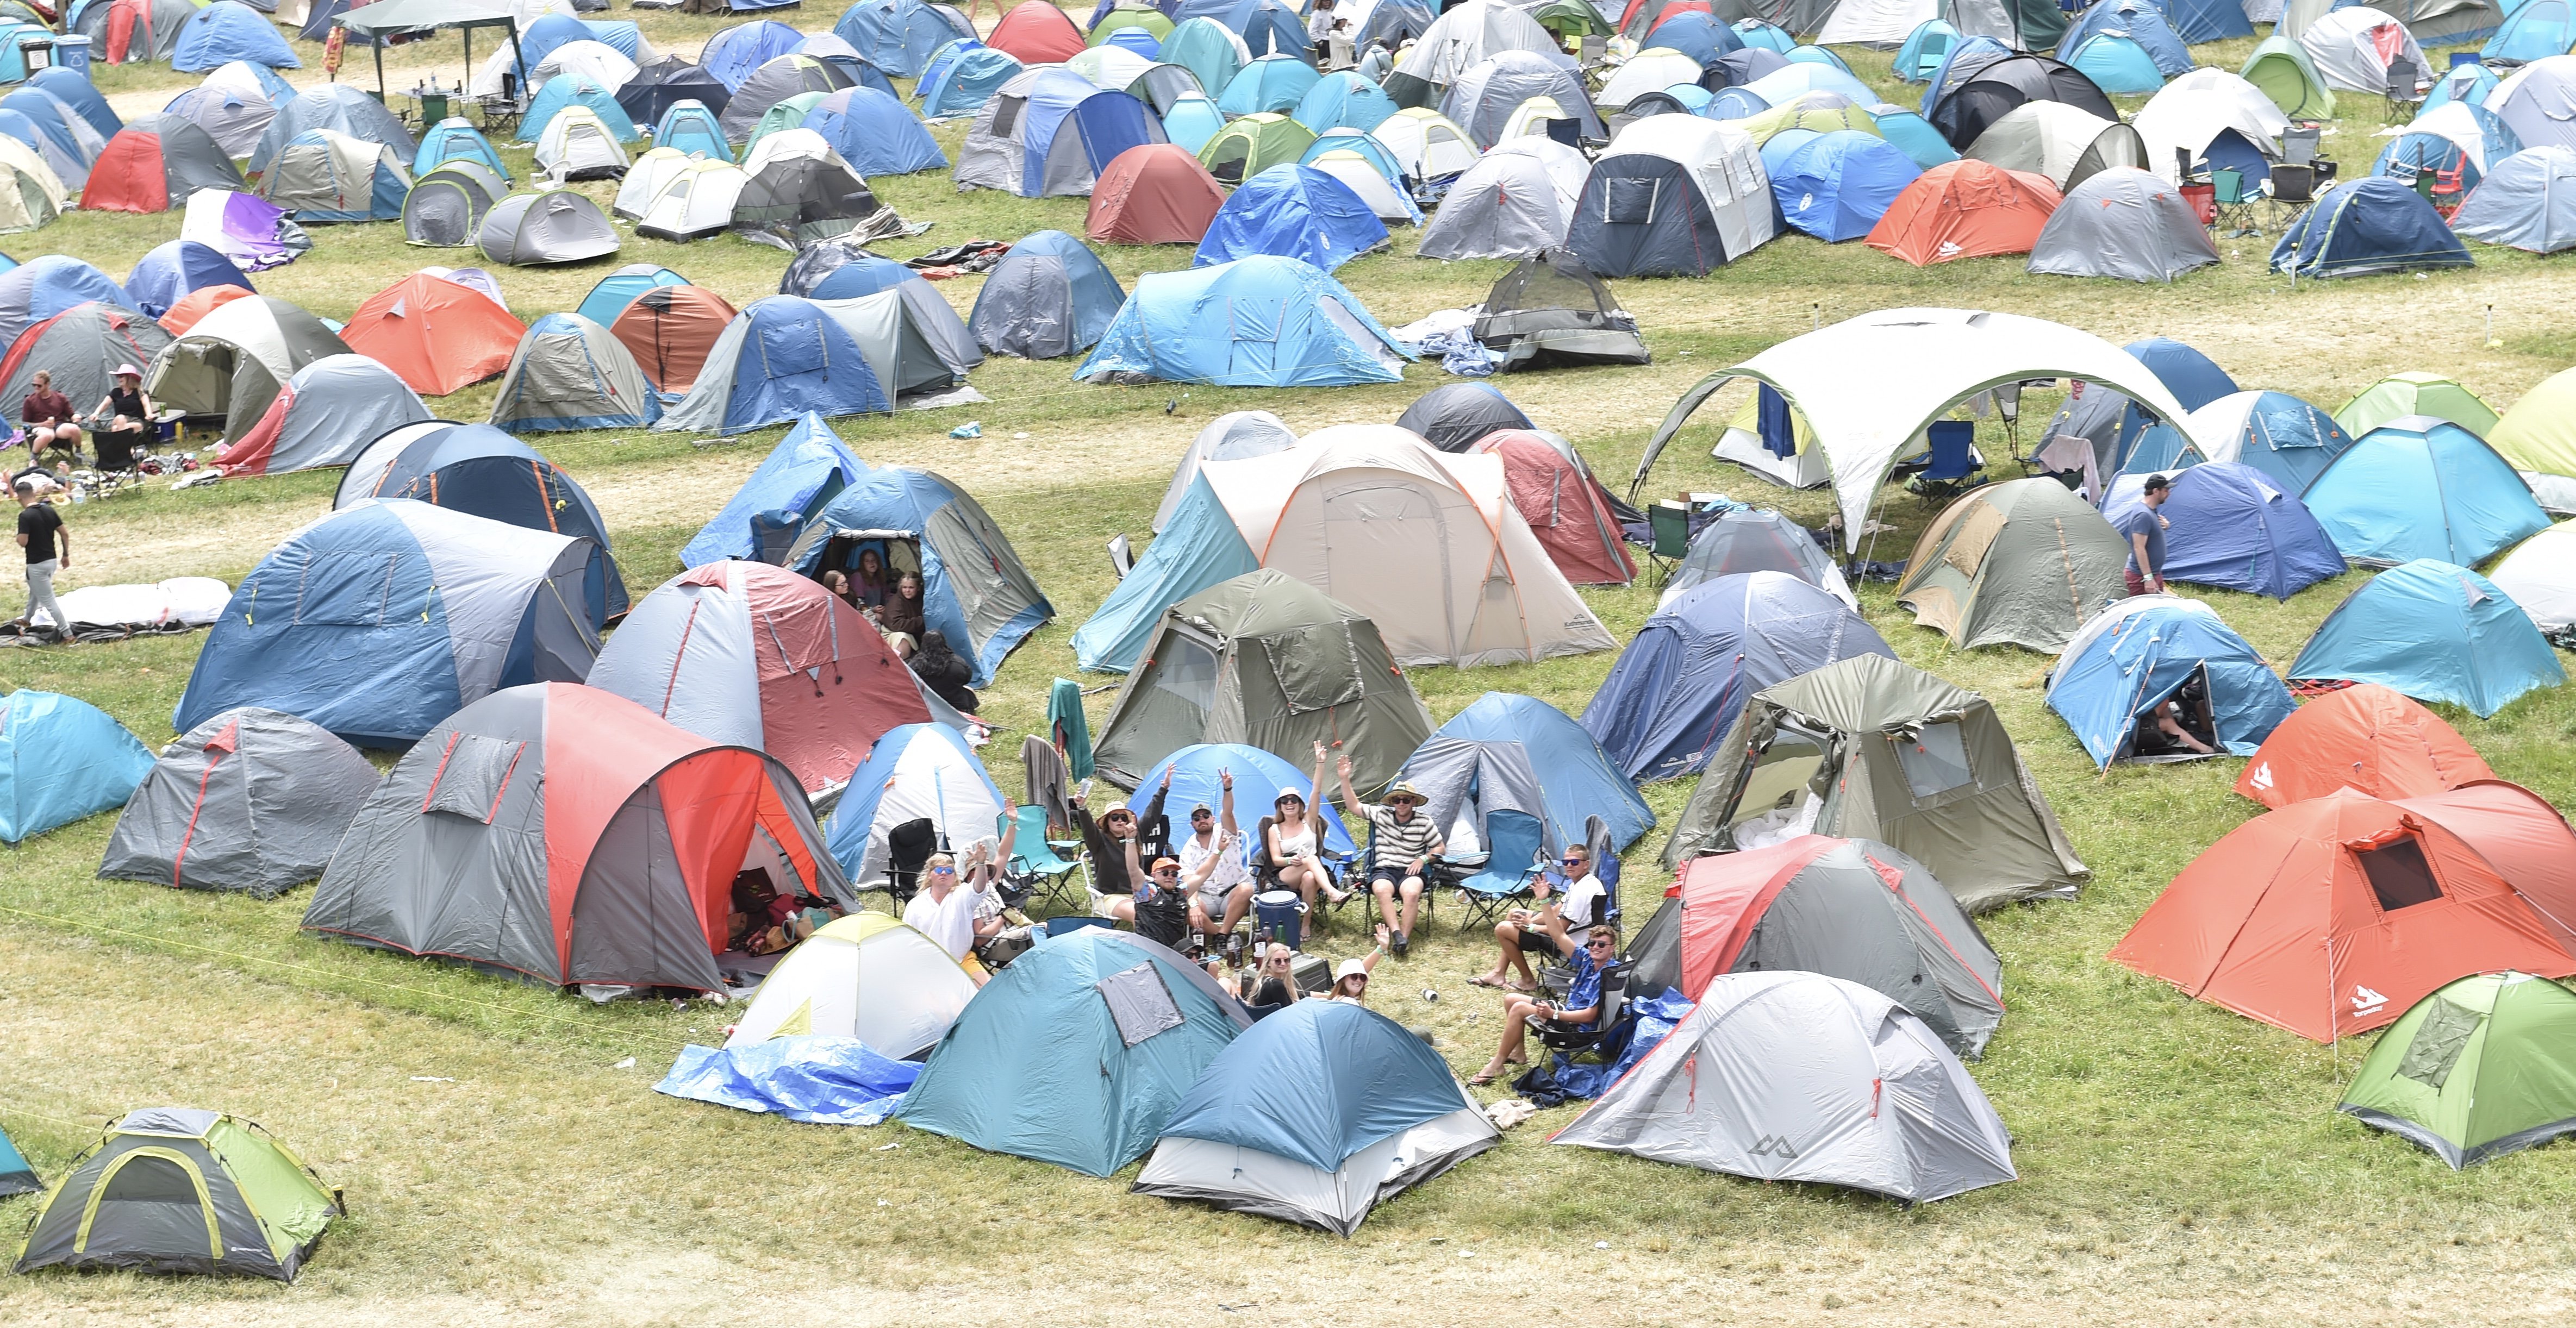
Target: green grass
[[2176, 1160]]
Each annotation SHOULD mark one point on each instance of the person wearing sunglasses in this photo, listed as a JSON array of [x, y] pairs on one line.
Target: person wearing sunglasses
[[945, 909], [1567, 896], [1119, 845], [1402, 843], [1582, 1004], [1350, 980], [1276, 987], [1214, 864]]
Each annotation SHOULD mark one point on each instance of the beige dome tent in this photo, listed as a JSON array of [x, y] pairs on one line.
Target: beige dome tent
[[32, 194], [2024, 563]]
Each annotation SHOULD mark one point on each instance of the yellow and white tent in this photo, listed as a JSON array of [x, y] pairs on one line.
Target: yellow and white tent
[[865, 976]]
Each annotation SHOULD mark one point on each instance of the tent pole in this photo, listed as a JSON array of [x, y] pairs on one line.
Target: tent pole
[[468, 35], [380, 70], [519, 57]]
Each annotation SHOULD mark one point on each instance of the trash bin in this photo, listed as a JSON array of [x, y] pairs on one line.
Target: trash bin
[[72, 53], [38, 55]]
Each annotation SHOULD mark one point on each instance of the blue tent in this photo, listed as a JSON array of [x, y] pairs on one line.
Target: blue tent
[[1837, 186], [1049, 296], [164, 276], [804, 472], [875, 133], [2139, 21], [16, 1177], [2142, 446], [456, 139], [1921, 55], [2197, 21], [1769, 37], [2469, 83], [862, 276], [690, 127], [2417, 151], [1129, 1027], [43, 287], [1199, 547], [381, 620], [1677, 688], [2373, 224], [1102, 125], [548, 32], [2281, 436], [1192, 121], [72, 168], [61, 759], [56, 132], [2536, 31], [2136, 654], [1914, 135], [1255, 322], [1343, 99], [2236, 528], [963, 78], [619, 35], [1258, 778], [1206, 48], [1576, 777], [1696, 35], [1271, 83], [959, 543], [1292, 211], [618, 289], [73, 89], [2116, 64], [779, 359], [931, 761], [2420, 487], [574, 90], [2437, 632], [2527, 202], [1364, 143], [228, 30], [481, 471], [1816, 55], [331, 106], [1266, 26], [732, 55], [899, 36], [1735, 103], [1139, 40]]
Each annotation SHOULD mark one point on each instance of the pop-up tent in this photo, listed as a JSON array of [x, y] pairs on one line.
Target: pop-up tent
[[2483, 1067], [975, 589], [176, 1190], [806, 470], [2419, 487], [1518, 753], [324, 416], [62, 759], [2436, 632], [2024, 562], [865, 976], [1839, 185], [1049, 297], [2124, 223], [437, 335], [921, 773], [1756, 539], [2365, 737], [233, 361], [1254, 322], [2133, 657], [558, 226], [251, 800], [569, 373], [482, 471], [2234, 527]]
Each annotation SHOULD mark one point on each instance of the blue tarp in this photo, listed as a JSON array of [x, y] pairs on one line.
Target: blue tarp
[[61, 759], [1197, 548], [875, 133], [900, 498], [1291, 211], [1271, 83], [732, 55], [1258, 779], [1578, 778], [2198, 21], [2437, 632], [963, 78], [1696, 35], [808, 468], [2118, 671], [1676, 690], [618, 289], [2234, 527], [2143, 24], [164, 276], [455, 140], [1837, 186], [2373, 224], [482, 471], [690, 127], [2116, 64], [1255, 322], [897, 36], [1924, 49], [2419, 487], [818, 1078], [228, 30], [1316, 1083], [1343, 99], [43, 287], [574, 90]]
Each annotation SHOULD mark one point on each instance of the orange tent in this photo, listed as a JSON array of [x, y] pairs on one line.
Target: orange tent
[[1567, 509], [2365, 737], [435, 334], [1965, 209], [670, 329], [2334, 915], [1036, 33], [1155, 193], [197, 304]]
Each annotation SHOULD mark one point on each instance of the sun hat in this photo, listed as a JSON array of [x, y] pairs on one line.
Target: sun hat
[[1350, 968], [1287, 793], [127, 370], [1403, 789]]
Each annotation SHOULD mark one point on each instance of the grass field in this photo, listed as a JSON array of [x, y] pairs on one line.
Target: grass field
[[506, 1162]]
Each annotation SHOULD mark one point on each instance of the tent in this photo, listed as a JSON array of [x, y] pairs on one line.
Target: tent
[[2198, 21], [671, 196], [1049, 297], [1920, 54], [2114, 62], [2416, 393], [2534, 436], [2023, 563], [232, 361], [2215, 116], [1315, 1116], [2453, 141], [63, 759], [760, 657], [334, 106], [1453, 416], [2141, 28], [805, 471], [2281, 70], [2419, 487], [473, 851], [2133, 657], [532, 230], [2232, 526], [865, 976], [173, 269], [1872, 749], [901, 36], [438, 335], [1488, 92], [1463, 36], [1550, 311], [1229, 437], [570, 92], [226, 31], [2353, 48], [1036, 33], [2471, 83], [733, 54], [975, 589], [1132, 1025], [661, 85], [960, 81], [1852, 909], [669, 330], [1965, 209], [569, 373], [2065, 144], [1154, 194], [2530, 32], [1573, 517], [177, 1190], [481, 471], [2527, 201], [1343, 100], [1195, 776], [1272, 83], [81, 348], [251, 800], [1872, 1097], [31, 194], [1964, 110], [620, 288], [1837, 186], [1505, 206], [1207, 48], [16, 1176], [2534, 102], [2434, 631], [53, 133], [2332, 916], [1384, 198], [874, 133], [2365, 737], [578, 145], [1255, 322], [926, 311], [1007, 146], [1425, 145], [40, 288], [1518, 753], [801, 193], [780, 358], [2126, 224], [2477, 1069], [446, 206], [1251, 144], [1291, 211], [1742, 540], [775, 84], [452, 139], [692, 128], [196, 304], [2272, 432], [1673, 195], [124, 32], [915, 772], [587, 60], [154, 163], [325, 415]]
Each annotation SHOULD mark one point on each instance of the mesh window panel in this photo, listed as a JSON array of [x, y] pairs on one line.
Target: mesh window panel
[[2439, 1040], [1936, 761], [2399, 875]]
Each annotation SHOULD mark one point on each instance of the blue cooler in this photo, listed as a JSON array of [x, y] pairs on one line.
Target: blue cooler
[[1281, 911], [72, 53]]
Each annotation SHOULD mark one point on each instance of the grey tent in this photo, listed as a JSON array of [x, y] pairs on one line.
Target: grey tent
[[2123, 223], [251, 800], [1853, 909], [568, 372], [447, 206], [1869, 748], [2066, 144], [1162, 86], [1050, 296], [1802, 1077], [1485, 96], [1504, 206], [798, 200], [176, 1190], [2024, 563], [81, 347], [231, 105], [1268, 661], [1550, 312], [232, 361], [325, 416], [334, 106], [774, 82], [560, 226], [1453, 416], [1756, 539], [1233, 436], [2527, 201]]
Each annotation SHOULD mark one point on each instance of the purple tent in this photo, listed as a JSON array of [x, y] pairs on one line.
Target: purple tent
[[245, 228]]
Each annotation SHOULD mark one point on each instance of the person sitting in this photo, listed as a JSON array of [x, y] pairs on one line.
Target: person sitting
[[872, 584], [1567, 897], [765, 922], [1402, 843], [1276, 988], [2160, 732], [1213, 866], [945, 908], [900, 617], [838, 584], [48, 417], [1119, 845], [945, 672], [126, 420], [1582, 1004], [1296, 846]]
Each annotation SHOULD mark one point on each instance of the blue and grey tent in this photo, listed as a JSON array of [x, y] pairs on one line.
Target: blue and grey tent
[[803, 473], [1197, 548], [321, 176], [2466, 82], [1315, 1115], [973, 586], [2373, 224], [61, 759], [1677, 688], [1924, 50], [1192, 121], [565, 90], [1272, 83], [331, 106], [733, 54], [2420, 487], [40, 288], [2143, 24], [921, 771], [962, 77], [1836, 186], [228, 30], [1766, 36], [2537, 30], [1130, 1026], [1504, 743], [1967, 57], [16, 1177], [1697, 35], [689, 126], [2143, 651], [2459, 141], [61, 128], [2273, 432], [1050, 296], [927, 312], [779, 359], [2234, 527], [164, 276], [1343, 100], [481, 471], [456, 139], [2437, 632], [2116, 63], [1291, 211], [875, 133], [2198, 21], [618, 289], [1198, 774], [1266, 26], [2527, 202], [73, 89], [2118, 431], [900, 37], [663, 83], [1254, 322]]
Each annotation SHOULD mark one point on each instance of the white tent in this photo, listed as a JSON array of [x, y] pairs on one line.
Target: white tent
[[1505, 206], [577, 145], [935, 779], [2538, 102], [694, 202], [652, 169], [595, 62], [2540, 575], [1233, 436], [2192, 109], [2455, 123], [1425, 144], [1363, 178], [1472, 33], [1424, 543], [2352, 49], [1566, 166], [1651, 70], [865, 976], [790, 145], [1880, 23], [2054, 139]]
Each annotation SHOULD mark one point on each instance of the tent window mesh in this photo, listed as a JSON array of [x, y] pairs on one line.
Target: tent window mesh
[[1187, 670], [2439, 1040], [1935, 761], [1629, 202], [2399, 875]]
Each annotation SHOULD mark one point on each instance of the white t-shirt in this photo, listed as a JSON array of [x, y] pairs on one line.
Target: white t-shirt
[[1576, 903], [1230, 871], [950, 922]]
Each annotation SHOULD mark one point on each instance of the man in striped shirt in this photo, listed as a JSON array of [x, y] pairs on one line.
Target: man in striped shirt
[[1402, 843]]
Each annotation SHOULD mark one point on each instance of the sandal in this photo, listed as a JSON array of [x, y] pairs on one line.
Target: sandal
[[1482, 1077], [1489, 980]]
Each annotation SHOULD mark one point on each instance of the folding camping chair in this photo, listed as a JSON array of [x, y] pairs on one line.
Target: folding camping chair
[[2299, 144], [1515, 854], [1035, 860], [2234, 200], [1608, 1032], [1265, 873], [1953, 461], [2450, 189], [2405, 94], [1670, 522], [1120, 560], [2291, 188], [908, 850]]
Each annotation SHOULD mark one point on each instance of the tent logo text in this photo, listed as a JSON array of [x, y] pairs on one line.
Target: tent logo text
[[2262, 776], [2365, 1001]]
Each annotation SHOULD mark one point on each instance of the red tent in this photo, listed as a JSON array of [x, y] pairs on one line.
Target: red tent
[[2365, 737], [154, 164], [2334, 915], [435, 334], [1156, 193], [1965, 209], [198, 303], [1036, 33], [670, 329], [1566, 508]]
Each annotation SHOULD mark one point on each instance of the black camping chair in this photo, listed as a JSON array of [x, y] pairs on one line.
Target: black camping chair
[[908, 849], [1610, 1031]]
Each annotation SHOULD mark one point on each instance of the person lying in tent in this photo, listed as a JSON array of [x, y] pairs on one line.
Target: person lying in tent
[[765, 922], [1582, 1004], [2165, 729], [945, 672], [1566, 894]]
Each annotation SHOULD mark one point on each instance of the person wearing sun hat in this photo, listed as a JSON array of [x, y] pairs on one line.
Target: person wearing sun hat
[[1402, 843], [124, 421]]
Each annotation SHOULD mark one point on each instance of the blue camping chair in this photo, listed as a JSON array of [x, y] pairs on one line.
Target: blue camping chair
[[1515, 844], [1036, 859], [1953, 461]]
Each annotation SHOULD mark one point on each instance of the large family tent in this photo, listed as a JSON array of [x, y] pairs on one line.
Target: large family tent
[[2434, 631], [962, 79], [1838, 185], [915, 773], [1576, 521], [153, 165], [806, 470], [437, 335], [532, 230], [2373, 224], [1265, 661], [175, 268], [225, 31], [1131, 1026], [1254, 322], [2280, 69], [1292, 211], [2527, 201], [2365, 737], [1872, 749], [479, 470], [2024, 563], [324, 416], [1681, 682], [1517, 753], [379, 621], [2332, 916], [81, 347], [1049, 297], [1251, 144], [1966, 109], [1854, 909], [1154, 194], [2537, 437], [2124, 223], [900, 36], [1036, 33], [865, 976], [2117, 675], [1869, 1094], [781, 358], [564, 836], [1452, 416], [1316, 1115], [2419, 487], [2482, 1067], [233, 361], [251, 800], [1756, 539], [974, 588], [2234, 527], [62, 759], [177, 1190], [1965, 209], [2354, 48], [760, 657], [446, 206], [874, 133], [569, 373], [334, 106], [1673, 195]]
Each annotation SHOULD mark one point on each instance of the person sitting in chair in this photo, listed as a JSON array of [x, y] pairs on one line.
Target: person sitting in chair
[[125, 420], [1567, 896], [48, 417], [1296, 845], [1276, 987], [1212, 863], [1582, 1004], [1350, 980], [1402, 843]]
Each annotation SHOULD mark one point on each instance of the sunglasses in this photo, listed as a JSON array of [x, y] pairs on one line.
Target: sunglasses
[[1596, 945], [1571, 862], [1275, 963], [1167, 871], [943, 871], [1202, 816]]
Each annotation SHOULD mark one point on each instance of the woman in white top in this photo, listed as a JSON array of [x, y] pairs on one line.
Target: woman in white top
[[1296, 845]]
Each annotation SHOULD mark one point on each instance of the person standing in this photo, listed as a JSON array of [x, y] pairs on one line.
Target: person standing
[[49, 551], [1320, 27], [2144, 529]]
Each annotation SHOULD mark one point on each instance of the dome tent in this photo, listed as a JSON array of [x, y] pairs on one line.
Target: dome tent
[[2527, 202], [1196, 546], [673, 197], [232, 361], [1195, 775], [2281, 70], [2273, 432], [1048, 297], [690, 127], [875, 133], [481, 471], [865, 976], [1486, 94], [154, 164], [1272, 84], [61, 760], [2475, 1070], [532, 230], [974, 588], [2236, 528], [1284, 323], [1291, 211], [1036, 33], [961, 81], [566, 92], [1965, 109], [227, 31], [1229, 437], [1754, 539], [1155, 194], [81, 348], [2365, 737], [251, 800], [807, 469], [661, 85], [1343, 99], [40, 288], [2353, 48], [1965, 209], [780, 358], [1518, 753], [2456, 140], [2126, 224], [578, 145], [456, 138], [2434, 631], [2064, 144], [438, 335], [334, 106], [1251, 144], [2141, 652], [774, 84], [1006, 147], [2416, 393], [447, 206], [324, 415], [900, 36], [2419, 487], [1839, 185], [224, 1197], [1384, 198], [927, 313], [1504, 206], [2536, 438], [569, 373], [1452, 416], [2023, 562], [128, 31], [916, 772], [735, 53], [1565, 507], [1673, 195], [175, 268]]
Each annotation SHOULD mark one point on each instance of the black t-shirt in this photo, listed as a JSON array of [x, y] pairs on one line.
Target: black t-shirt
[[38, 523], [127, 404]]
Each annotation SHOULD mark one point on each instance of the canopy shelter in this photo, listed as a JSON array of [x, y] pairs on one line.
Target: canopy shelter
[[387, 20]]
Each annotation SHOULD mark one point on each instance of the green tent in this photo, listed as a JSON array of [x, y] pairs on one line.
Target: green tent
[[2538, 436], [2281, 70], [1815, 119], [2484, 1066], [1572, 18], [177, 1190], [2024, 563], [789, 113], [1151, 20], [1251, 144], [1270, 662], [2400, 395]]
